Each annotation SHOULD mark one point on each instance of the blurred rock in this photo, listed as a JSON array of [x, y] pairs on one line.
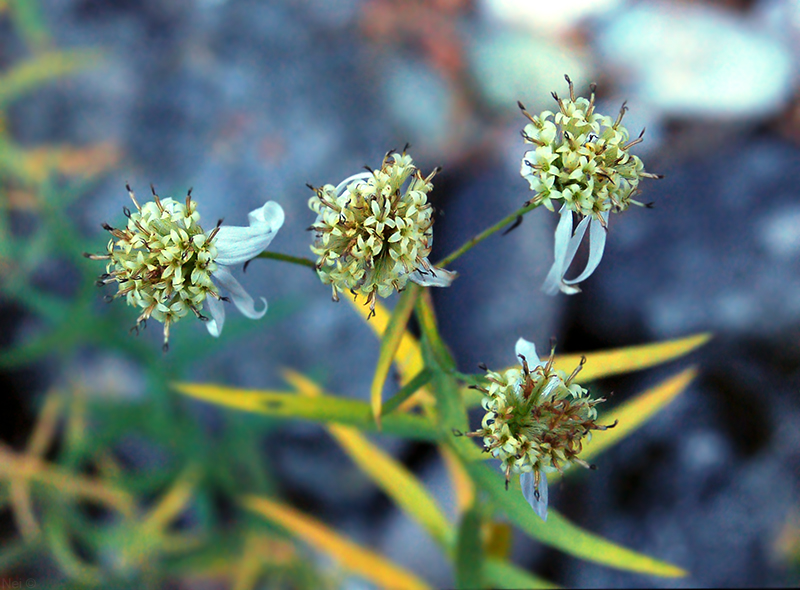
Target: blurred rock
[[695, 60]]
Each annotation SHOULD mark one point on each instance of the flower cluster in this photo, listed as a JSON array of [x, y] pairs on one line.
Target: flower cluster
[[163, 261], [582, 161], [374, 231], [536, 420]]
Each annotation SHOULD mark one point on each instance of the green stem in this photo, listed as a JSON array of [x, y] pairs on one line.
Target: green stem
[[286, 258], [474, 241]]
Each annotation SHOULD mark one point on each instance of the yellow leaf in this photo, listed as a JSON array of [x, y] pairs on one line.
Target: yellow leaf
[[390, 343], [393, 478], [408, 359], [606, 363], [354, 557], [635, 412], [462, 485]]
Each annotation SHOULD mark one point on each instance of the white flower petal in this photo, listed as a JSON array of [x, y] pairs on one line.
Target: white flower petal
[[436, 277], [538, 501], [360, 176], [217, 312], [562, 238], [566, 247], [236, 245], [597, 244], [241, 298], [528, 350]]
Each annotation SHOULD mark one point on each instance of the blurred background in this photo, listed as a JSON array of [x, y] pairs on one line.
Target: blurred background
[[247, 101]]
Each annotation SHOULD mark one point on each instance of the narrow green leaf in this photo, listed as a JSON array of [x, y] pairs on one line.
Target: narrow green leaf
[[501, 574], [390, 342], [324, 409], [427, 324], [561, 534], [421, 380], [469, 551]]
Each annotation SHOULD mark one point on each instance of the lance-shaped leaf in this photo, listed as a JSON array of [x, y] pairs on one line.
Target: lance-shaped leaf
[[354, 557], [633, 414], [558, 532], [501, 574], [393, 478], [606, 363], [469, 551], [390, 342], [325, 409]]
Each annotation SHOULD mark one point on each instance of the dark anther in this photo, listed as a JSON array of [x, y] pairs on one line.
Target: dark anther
[[650, 205], [520, 105], [87, 255], [553, 342], [483, 367], [457, 432], [567, 79], [128, 187], [535, 494], [100, 282], [225, 299], [201, 317], [189, 192], [405, 148], [554, 95], [126, 212], [108, 298], [134, 330], [513, 226], [593, 467], [507, 486], [106, 227], [244, 267], [165, 348], [593, 87], [475, 387], [153, 189], [371, 314]]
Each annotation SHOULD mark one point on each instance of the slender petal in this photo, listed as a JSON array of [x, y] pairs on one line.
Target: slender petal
[[528, 350], [566, 246], [436, 277], [527, 481], [217, 312], [597, 244], [562, 240], [241, 298], [236, 245], [346, 182]]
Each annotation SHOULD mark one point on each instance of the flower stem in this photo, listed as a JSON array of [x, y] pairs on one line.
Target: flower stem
[[475, 240], [287, 258]]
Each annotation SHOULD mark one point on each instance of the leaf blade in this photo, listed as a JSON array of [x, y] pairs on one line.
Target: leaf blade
[[367, 564]]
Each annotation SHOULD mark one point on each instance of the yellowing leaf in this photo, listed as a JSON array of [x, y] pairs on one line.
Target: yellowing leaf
[[390, 342], [462, 485], [635, 412], [632, 358], [408, 359], [323, 409], [357, 559], [393, 478]]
